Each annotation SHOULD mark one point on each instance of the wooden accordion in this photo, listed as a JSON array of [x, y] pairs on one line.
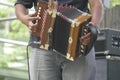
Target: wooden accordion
[[66, 25]]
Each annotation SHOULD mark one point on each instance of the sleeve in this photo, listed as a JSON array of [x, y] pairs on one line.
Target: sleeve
[[26, 3]]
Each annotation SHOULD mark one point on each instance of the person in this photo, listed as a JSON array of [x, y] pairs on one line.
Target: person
[[48, 65]]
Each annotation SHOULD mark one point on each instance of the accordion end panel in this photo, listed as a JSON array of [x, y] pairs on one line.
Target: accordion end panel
[[73, 41], [66, 35], [47, 13]]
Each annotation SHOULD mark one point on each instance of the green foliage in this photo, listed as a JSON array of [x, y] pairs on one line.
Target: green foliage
[[17, 31], [3, 12], [12, 1], [114, 3], [5, 59], [16, 54]]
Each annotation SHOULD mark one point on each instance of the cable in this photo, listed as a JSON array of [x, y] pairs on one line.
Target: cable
[[27, 49], [28, 60]]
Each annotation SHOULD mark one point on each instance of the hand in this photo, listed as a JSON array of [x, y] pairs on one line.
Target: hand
[[28, 20], [86, 39]]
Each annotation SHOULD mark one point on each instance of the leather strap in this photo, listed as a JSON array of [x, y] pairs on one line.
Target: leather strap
[[94, 34]]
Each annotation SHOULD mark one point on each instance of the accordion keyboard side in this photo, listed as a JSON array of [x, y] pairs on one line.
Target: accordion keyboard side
[[62, 32]]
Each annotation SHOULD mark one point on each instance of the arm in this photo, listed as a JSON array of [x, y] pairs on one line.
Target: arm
[[96, 11], [21, 13], [24, 17]]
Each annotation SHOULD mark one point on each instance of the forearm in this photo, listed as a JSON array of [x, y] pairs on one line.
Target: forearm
[[21, 12], [97, 12]]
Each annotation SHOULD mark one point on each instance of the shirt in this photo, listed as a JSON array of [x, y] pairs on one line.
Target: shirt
[[80, 4]]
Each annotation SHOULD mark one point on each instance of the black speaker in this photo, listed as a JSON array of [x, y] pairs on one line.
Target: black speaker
[[108, 69], [108, 40]]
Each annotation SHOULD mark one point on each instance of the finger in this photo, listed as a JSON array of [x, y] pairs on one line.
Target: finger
[[33, 18], [86, 36], [30, 28], [33, 27], [86, 41], [30, 24]]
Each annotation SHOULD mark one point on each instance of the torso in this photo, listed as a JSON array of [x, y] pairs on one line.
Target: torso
[[80, 4]]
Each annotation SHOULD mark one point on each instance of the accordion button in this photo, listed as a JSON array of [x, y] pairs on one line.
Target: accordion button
[[82, 46], [38, 13], [39, 10], [82, 50], [84, 33], [85, 30]]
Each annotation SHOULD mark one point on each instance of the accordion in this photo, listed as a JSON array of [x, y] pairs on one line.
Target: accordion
[[61, 28]]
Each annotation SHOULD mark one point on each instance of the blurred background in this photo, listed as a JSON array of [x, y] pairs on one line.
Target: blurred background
[[14, 37], [13, 41]]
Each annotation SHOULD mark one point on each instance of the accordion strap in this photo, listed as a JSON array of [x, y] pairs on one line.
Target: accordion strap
[[94, 33]]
